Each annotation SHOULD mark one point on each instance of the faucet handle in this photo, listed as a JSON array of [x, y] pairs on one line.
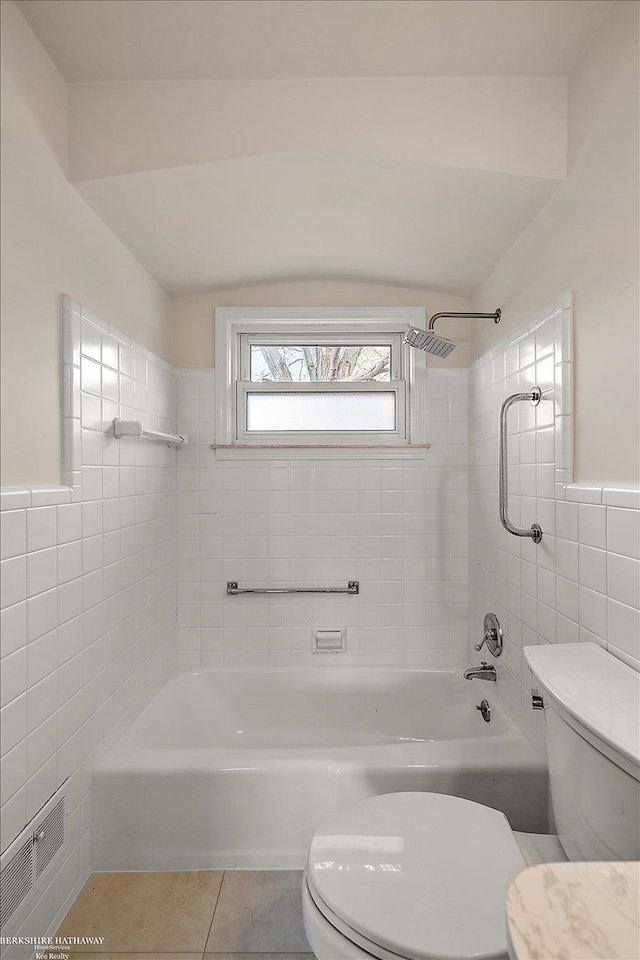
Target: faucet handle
[[489, 635], [492, 635]]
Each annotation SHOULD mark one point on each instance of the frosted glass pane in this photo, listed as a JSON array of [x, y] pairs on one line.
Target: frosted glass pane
[[321, 411]]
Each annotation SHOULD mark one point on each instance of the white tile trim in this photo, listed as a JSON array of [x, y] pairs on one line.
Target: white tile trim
[[621, 495], [609, 494]]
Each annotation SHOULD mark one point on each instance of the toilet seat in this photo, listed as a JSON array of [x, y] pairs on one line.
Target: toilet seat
[[418, 876]]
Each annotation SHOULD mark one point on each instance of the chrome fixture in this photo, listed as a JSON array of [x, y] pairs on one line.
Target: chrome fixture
[[430, 342], [492, 635], [535, 532], [537, 703], [485, 710], [484, 672], [352, 587], [133, 428]]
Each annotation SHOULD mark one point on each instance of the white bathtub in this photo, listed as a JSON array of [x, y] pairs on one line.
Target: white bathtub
[[237, 767]]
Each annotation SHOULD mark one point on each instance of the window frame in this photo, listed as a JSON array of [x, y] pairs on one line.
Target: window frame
[[236, 328]]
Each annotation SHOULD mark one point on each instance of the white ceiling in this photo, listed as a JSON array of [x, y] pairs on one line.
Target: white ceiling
[[424, 181], [197, 39], [317, 214]]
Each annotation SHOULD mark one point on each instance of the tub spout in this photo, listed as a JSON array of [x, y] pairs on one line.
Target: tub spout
[[484, 672]]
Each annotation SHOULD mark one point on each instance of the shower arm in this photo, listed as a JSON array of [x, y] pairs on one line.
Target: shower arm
[[496, 317]]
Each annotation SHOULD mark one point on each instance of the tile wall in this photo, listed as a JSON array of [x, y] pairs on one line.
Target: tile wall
[[582, 582], [397, 526], [88, 595]]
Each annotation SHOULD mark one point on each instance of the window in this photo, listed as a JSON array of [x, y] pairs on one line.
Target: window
[[321, 378]]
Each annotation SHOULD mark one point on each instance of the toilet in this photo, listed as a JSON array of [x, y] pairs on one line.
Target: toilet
[[423, 876]]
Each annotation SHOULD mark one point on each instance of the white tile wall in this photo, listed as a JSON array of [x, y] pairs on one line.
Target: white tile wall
[[397, 526], [88, 594], [582, 583]]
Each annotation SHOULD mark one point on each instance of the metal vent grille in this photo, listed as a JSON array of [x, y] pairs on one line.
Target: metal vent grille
[[26, 859], [49, 837], [16, 879]]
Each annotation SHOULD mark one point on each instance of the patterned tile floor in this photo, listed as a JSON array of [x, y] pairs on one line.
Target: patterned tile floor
[[217, 915]]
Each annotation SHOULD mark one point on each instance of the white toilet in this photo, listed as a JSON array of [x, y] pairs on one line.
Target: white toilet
[[423, 876]]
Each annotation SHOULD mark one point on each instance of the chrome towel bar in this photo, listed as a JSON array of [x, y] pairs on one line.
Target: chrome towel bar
[[535, 532], [352, 587], [133, 428]]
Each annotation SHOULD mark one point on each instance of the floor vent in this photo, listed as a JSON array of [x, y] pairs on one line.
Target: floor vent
[[49, 837], [16, 879], [29, 855]]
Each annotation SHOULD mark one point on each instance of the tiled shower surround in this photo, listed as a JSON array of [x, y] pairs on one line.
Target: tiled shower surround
[[113, 582], [88, 599], [398, 526], [582, 582]]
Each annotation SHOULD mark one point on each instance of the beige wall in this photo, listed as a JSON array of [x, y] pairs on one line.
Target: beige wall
[[192, 316], [52, 243], [586, 240]]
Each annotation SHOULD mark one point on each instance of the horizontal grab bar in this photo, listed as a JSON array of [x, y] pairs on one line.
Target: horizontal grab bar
[[535, 532], [352, 587], [133, 428]]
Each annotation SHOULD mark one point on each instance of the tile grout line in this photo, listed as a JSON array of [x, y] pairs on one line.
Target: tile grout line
[[215, 907]]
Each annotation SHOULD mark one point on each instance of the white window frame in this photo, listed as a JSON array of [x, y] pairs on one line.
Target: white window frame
[[237, 327]]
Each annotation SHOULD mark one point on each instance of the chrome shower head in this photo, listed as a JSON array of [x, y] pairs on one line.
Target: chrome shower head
[[429, 341]]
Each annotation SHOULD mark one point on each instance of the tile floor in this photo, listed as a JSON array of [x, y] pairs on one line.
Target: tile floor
[[217, 915]]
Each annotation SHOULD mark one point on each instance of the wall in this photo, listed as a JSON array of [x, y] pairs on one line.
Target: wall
[[586, 240], [398, 526], [88, 604], [582, 582], [53, 243], [192, 316]]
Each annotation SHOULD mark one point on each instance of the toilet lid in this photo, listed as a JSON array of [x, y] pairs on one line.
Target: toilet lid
[[422, 875]]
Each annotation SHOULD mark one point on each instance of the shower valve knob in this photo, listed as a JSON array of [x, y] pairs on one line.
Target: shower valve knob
[[489, 635], [492, 635]]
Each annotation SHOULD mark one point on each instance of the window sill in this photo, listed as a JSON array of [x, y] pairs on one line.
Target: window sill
[[320, 452]]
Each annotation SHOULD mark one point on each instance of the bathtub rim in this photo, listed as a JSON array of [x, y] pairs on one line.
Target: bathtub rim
[[127, 753]]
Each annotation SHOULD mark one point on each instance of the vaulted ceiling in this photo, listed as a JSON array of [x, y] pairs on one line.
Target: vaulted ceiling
[[261, 39], [232, 141]]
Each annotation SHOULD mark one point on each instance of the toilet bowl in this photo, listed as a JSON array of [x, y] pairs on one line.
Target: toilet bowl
[[411, 875], [423, 876]]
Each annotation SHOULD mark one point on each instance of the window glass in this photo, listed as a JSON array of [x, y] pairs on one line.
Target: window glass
[[291, 363], [321, 411]]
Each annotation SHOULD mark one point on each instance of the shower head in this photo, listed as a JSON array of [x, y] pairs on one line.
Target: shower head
[[430, 342]]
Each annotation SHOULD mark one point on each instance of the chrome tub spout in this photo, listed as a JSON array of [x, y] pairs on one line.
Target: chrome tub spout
[[484, 672]]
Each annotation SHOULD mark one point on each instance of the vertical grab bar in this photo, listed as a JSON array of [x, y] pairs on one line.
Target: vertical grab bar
[[535, 532]]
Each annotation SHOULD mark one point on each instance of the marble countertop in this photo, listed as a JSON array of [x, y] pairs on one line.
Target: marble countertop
[[575, 911]]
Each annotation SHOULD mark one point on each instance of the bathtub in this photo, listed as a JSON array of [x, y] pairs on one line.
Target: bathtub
[[235, 768]]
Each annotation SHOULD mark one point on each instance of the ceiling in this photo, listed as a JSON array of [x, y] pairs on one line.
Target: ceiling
[[198, 39], [315, 214], [331, 165]]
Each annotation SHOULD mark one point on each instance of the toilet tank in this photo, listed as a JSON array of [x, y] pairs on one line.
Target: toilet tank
[[592, 722]]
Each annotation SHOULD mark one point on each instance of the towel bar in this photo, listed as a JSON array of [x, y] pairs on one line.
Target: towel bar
[[353, 588], [133, 428]]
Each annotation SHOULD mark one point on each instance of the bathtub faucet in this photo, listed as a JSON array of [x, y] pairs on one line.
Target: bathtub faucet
[[484, 672]]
